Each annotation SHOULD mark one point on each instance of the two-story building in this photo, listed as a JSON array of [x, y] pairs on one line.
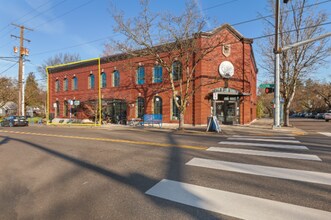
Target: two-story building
[[130, 87]]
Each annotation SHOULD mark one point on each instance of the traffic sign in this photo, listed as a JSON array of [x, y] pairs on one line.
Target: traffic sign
[[264, 86]]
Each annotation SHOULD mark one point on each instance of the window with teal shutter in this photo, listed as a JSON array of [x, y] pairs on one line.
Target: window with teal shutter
[[74, 83], [140, 75], [91, 81], [157, 74], [65, 84], [176, 70], [116, 78], [103, 80]]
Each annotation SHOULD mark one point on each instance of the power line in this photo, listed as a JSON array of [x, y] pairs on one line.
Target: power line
[[40, 13], [268, 16], [218, 5], [74, 9], [9, 68], [300, 29], [77, 45]]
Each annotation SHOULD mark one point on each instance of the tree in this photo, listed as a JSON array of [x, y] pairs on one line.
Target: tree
[[173, 42], [33, 94], [298, 22], [323, 92], [57, 59], [264, 103], [8, 91]]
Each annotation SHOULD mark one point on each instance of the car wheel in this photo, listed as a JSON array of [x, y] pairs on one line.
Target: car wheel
[[327, 120]]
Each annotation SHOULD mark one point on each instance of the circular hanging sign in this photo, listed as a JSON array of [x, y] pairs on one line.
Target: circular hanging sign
[[226, 69]]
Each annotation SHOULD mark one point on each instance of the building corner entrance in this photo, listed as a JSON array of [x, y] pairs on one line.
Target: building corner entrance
[[226, 106]]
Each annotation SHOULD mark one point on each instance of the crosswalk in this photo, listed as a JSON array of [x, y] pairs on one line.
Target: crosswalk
[[251, 207], [325, 133]]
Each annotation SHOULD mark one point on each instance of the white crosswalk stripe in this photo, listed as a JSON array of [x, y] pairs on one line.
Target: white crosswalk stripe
[[283, 173], [227, 203], [325, 133], [251, 207], [264, 139], [267, 145], [265, 153]]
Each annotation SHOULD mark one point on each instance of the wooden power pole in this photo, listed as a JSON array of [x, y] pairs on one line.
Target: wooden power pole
[[22, 52]]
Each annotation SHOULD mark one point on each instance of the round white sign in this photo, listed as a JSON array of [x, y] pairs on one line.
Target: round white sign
[[226, 69]]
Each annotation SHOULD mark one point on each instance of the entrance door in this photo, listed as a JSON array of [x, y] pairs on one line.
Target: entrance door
[[226, 112], [116, 111]]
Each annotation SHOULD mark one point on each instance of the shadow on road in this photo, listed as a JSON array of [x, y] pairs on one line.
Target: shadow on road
[[137, 181]]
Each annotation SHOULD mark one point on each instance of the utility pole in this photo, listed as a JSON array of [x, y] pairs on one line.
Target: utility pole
[[22, 53], [277, 58], [277, 51]]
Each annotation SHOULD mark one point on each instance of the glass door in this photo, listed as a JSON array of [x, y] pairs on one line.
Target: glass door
[[226, 112]]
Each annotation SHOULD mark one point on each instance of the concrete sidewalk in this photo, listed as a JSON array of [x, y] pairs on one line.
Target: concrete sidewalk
[[261, 127]]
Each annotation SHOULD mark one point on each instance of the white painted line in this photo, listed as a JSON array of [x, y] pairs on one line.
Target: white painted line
[[283, 146], [267, 137], [276, 172], [264, 139], [233, 204], [326, 133], [265, 153]]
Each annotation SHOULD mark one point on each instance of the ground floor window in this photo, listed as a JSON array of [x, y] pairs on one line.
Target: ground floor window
[[175, 109], [157, 105], [140, 107], [57, 108], [65, 108]]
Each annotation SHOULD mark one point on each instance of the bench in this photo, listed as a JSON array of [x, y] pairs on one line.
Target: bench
[[151, 119]]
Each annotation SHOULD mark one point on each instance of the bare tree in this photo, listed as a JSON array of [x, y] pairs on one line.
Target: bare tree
[[57, 59], [298, 22], [174, 42], [323, 92]]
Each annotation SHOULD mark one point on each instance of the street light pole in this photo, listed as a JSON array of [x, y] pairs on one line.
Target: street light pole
[[277, 59]]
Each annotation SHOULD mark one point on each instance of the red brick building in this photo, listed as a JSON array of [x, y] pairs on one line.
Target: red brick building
[[133, 86]]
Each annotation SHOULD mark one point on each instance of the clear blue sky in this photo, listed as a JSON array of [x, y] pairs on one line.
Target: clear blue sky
[[84, 26]]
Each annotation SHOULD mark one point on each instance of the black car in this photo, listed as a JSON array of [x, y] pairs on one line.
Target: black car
[[12, 121]]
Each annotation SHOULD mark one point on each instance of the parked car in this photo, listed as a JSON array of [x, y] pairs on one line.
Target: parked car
[[319, 116], [327, 116], [12, 121]]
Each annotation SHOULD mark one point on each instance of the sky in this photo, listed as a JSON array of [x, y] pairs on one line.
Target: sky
[[83, 27]]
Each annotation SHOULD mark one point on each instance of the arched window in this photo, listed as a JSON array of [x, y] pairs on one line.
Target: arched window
[[91, 81], [175, 110], [116, 78], [65, 84], [103, 80], [177, 70], [157, 74], [65, 108], [140, 75], [74, 85], [140, 107], [57, 85], [57, 108], [157, 105]]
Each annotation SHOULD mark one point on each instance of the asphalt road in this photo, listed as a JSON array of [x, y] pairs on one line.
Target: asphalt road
[[89, 173]]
